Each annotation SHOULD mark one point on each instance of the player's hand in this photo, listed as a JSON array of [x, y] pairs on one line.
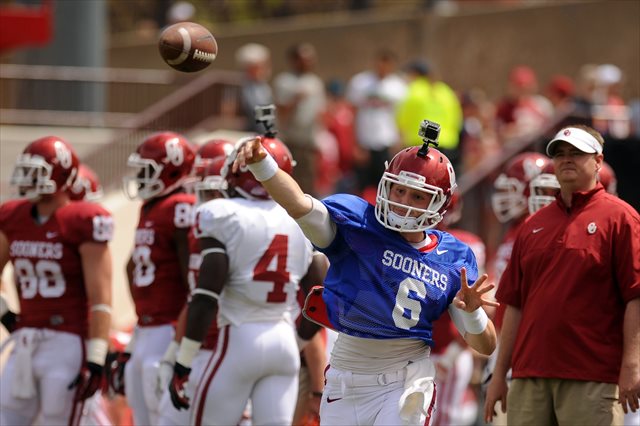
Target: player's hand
[[249, 152], [7, 317], [88, 381], [179, 399], [629, 385], [496, 391], [470, 298], [165, 372], [9, 320], [115, 374]]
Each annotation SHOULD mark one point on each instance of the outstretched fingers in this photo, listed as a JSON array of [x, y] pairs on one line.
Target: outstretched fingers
[[463, 278]]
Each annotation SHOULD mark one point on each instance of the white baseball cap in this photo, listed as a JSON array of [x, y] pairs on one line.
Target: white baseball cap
[[576, 137]]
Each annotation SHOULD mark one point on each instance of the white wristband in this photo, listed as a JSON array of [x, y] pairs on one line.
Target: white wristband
[[264, 169], [171, 352], [97, 351], [188, 350], [475, 322]]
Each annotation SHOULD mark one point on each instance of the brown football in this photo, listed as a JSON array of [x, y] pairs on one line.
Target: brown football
[[187, 46]]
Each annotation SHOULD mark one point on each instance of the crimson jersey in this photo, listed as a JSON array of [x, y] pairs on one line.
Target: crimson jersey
[[444, 331], [47, 263], [503, 254], [157, 288], [195, 260]]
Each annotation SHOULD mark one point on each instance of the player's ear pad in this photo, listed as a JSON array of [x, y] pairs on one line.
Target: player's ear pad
[[314, 308]]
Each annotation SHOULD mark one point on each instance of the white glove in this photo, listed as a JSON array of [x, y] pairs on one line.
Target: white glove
[[165, 370]]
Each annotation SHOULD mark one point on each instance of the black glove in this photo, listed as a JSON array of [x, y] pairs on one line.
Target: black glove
[[88, 381], [9, 321], [176, 386], [116, 371]]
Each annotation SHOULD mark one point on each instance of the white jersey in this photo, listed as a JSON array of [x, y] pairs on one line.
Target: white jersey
[[268, 255]]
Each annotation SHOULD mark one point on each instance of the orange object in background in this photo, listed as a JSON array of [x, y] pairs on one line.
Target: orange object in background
[[24, 25]]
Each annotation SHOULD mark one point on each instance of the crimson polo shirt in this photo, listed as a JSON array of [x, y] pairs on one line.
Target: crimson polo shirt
[[572, 270]]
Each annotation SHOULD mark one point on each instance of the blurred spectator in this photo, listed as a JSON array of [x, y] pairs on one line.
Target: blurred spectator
[[300, 98], [180, 11], [560, 91], [375, 93], [255, 61], [339, 119], [522, 110], [432, 99], [479, 139], [609, 110], [585, 91]]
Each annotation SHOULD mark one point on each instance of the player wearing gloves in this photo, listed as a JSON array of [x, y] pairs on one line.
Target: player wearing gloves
[[158, 267], [253, 257], [62, 265], [390, 277]]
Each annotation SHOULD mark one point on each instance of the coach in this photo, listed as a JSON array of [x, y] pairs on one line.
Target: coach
[[572, 289]]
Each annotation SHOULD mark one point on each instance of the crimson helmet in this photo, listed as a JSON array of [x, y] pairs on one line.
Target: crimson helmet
[[210, 183], [86, 186], [543, 188], [509, 201], [432, 174], [209, 151], [46, 166], [607, 177], [163, 161], [243, 181], [205, 154]]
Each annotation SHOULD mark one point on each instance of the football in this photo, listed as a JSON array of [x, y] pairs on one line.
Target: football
[[187, 47]]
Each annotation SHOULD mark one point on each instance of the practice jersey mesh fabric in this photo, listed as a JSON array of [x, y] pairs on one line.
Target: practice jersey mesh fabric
[[268, 255], [381, 287]]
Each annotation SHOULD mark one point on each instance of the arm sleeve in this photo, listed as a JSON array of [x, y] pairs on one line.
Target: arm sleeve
[[317, 225]]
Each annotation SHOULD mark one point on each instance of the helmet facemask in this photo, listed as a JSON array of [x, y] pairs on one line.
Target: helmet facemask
[[508, 202], [414, 219], [542, 188], [146, 182], [206, 188], [32, 177]]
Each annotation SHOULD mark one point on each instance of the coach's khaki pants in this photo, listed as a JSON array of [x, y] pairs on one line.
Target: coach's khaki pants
[[562, 402]]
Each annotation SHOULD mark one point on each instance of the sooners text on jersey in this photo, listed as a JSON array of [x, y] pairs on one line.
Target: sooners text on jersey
[[46, 261]]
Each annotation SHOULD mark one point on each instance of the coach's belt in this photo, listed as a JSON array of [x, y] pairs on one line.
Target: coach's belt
[[351, 379]]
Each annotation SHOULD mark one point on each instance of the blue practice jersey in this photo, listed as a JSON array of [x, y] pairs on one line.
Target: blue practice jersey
[[379, 286]]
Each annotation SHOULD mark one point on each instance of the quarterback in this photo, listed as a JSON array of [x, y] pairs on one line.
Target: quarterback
[[390, 277]]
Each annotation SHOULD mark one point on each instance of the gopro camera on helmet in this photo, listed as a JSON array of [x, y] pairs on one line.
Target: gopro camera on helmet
[[266, 115], [429, 132]]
